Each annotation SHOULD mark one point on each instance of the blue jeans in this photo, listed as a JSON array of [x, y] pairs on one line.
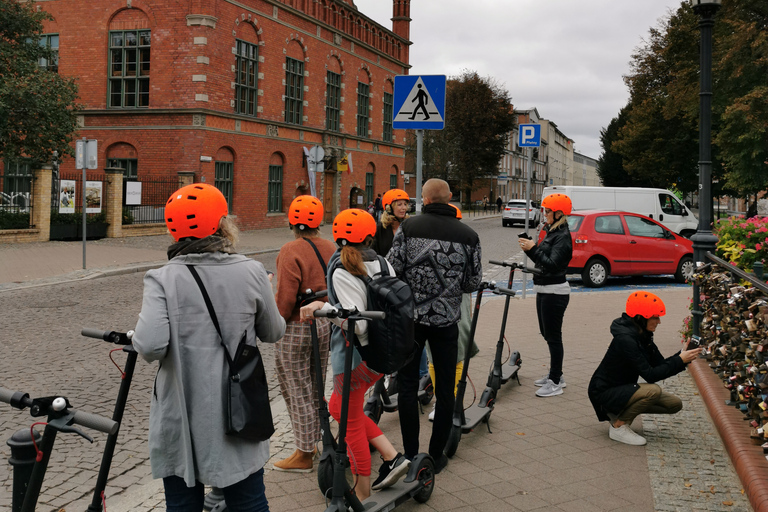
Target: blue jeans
[[244, 496]]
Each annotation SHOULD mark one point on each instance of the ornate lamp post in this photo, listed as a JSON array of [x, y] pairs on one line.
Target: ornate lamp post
[[704, 241]]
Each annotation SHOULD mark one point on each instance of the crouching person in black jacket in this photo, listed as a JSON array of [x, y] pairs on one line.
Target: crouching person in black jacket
[[614, 391]]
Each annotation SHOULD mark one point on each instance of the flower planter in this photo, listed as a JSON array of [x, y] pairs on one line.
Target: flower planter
[[63, 232]]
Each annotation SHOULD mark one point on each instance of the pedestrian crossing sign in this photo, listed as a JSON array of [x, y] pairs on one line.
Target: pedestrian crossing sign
[[419, 102]]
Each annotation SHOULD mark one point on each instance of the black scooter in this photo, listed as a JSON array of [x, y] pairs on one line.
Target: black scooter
[[465, 421], [383, 396], [420, 480]]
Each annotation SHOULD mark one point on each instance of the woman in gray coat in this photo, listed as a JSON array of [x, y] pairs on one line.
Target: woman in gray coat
[[188, 446]]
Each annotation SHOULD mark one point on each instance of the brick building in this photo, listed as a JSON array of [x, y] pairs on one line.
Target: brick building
[[234, 92]]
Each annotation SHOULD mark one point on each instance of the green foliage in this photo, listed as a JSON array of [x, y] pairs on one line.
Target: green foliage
[[478, 119], [659, 140], [37, 107], [77, 218], [742, 241], [13, 220], [127, 216]]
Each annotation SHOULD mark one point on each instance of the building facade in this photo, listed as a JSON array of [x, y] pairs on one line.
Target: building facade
[[584, 171], [236, 92]]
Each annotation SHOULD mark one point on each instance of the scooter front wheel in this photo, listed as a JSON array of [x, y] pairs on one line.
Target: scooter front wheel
[[453, 441], [427, 480]]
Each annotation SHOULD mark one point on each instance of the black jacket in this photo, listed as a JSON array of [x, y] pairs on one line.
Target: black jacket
[[632, 354], [382, 240], [552, 256], [439, 257]]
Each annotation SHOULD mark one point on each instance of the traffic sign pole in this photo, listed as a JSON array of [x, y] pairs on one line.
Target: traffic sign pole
[[419, 156], [527, 213]]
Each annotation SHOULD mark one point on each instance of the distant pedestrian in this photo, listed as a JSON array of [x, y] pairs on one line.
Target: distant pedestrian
[[499, 202], [188, 447], [485, 203], [614, 391], [552, 256], [301, 266], [440, 258], [378, 208]]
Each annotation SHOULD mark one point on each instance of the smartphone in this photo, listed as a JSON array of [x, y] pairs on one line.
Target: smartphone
[[524, 235], [694, 343]]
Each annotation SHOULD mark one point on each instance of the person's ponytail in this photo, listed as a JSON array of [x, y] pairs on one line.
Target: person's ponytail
[[352, 259]]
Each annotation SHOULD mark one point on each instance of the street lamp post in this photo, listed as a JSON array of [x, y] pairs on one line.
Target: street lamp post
[[704, 241]]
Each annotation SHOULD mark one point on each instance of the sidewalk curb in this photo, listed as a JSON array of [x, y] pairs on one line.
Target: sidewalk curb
[[750, 465], [96, 273]]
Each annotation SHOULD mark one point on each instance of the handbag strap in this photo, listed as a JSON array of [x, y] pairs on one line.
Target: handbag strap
[[211, 312], [319, 257]]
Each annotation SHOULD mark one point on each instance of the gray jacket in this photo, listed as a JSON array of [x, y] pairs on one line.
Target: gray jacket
[[186, 420]]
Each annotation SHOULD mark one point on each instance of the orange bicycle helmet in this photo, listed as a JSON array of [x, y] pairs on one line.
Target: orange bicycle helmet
[[194, 211], [390, 196], [645, 304], [558, 202], [352, 226], [458, 212], [306, 211]]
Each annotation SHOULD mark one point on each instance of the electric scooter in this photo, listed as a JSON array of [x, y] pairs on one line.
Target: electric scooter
[[383, 396], [465, 421], [501, 373], [418, 483]]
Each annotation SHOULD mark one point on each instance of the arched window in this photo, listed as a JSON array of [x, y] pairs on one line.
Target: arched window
[[246, 71], [294, 84], [275, 184], [333, 95], [129, 59], [363, 105], [123, 155], [389, 106]]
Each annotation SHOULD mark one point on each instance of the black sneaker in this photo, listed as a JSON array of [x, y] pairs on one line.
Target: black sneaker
[[440, 463], [391, 471]]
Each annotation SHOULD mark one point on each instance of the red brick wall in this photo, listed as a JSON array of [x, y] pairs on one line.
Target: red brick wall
[[177, 129]]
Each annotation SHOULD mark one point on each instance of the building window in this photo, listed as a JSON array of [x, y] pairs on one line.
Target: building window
[[246, 78], [368, 188], [362, 109], [388, 109], [333, 102], [392, 181], [129, 166], [223, 180], [52, 42], [275, 189], [16, 188], [294, 90], [129, 68]]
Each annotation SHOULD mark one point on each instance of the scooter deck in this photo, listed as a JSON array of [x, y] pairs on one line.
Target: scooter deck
[[508, 372], [474, 415], [387, 499]]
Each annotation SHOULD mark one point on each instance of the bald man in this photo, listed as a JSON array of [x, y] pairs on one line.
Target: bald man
[[439, 257]]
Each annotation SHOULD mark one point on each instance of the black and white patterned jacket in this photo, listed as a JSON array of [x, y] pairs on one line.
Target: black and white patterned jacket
[[439, 257]]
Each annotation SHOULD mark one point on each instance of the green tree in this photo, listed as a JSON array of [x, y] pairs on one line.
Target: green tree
[[37, 107], [478, 120], [610, 165]]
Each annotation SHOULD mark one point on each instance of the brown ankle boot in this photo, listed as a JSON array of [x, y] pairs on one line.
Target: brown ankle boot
[[298, 462]]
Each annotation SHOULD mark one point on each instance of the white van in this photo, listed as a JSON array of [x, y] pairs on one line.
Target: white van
[[657, 203]]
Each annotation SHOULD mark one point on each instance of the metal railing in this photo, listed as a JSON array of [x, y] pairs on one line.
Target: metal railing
[[15, 201], [155, 191]]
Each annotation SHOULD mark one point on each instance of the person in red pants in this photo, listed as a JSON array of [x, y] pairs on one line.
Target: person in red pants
[[353, 232]]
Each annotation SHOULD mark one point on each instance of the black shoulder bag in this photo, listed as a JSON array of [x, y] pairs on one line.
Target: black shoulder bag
[[248, 415]]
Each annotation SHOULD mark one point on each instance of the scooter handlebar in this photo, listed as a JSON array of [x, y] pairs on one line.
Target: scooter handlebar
[[90, 332], [86, 419], [504, 291], [309, 295], [505, 264], [346, 313]]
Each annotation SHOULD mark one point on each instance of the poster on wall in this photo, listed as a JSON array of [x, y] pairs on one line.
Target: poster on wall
[[93, 196], [67, 190], [132, 193]]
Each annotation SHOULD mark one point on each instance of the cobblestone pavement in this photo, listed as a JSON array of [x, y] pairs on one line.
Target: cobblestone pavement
[[688, 465], [547, 454]]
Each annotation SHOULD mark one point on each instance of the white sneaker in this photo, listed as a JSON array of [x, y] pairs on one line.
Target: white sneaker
[[626, 435], [540, 382], [431, 416], [549, 389]]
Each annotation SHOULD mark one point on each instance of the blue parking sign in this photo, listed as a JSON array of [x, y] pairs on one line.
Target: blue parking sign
[[529, 136], [419, 102]]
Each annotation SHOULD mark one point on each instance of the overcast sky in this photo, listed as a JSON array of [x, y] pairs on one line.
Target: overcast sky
[[564, 57]]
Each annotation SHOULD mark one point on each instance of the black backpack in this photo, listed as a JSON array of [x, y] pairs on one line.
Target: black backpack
[[391, 342]]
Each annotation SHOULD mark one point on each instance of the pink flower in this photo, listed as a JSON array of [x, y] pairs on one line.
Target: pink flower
[[733, 263], [758, 246], [749, 234], [743, 225]]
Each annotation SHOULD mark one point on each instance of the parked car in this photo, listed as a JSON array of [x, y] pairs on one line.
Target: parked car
[[608, 243], [514, 212]]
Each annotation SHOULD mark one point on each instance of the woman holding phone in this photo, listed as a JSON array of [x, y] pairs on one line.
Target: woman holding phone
[[552, 256]]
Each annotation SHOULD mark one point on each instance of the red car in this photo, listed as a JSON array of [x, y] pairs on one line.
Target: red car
[[608, 243]]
